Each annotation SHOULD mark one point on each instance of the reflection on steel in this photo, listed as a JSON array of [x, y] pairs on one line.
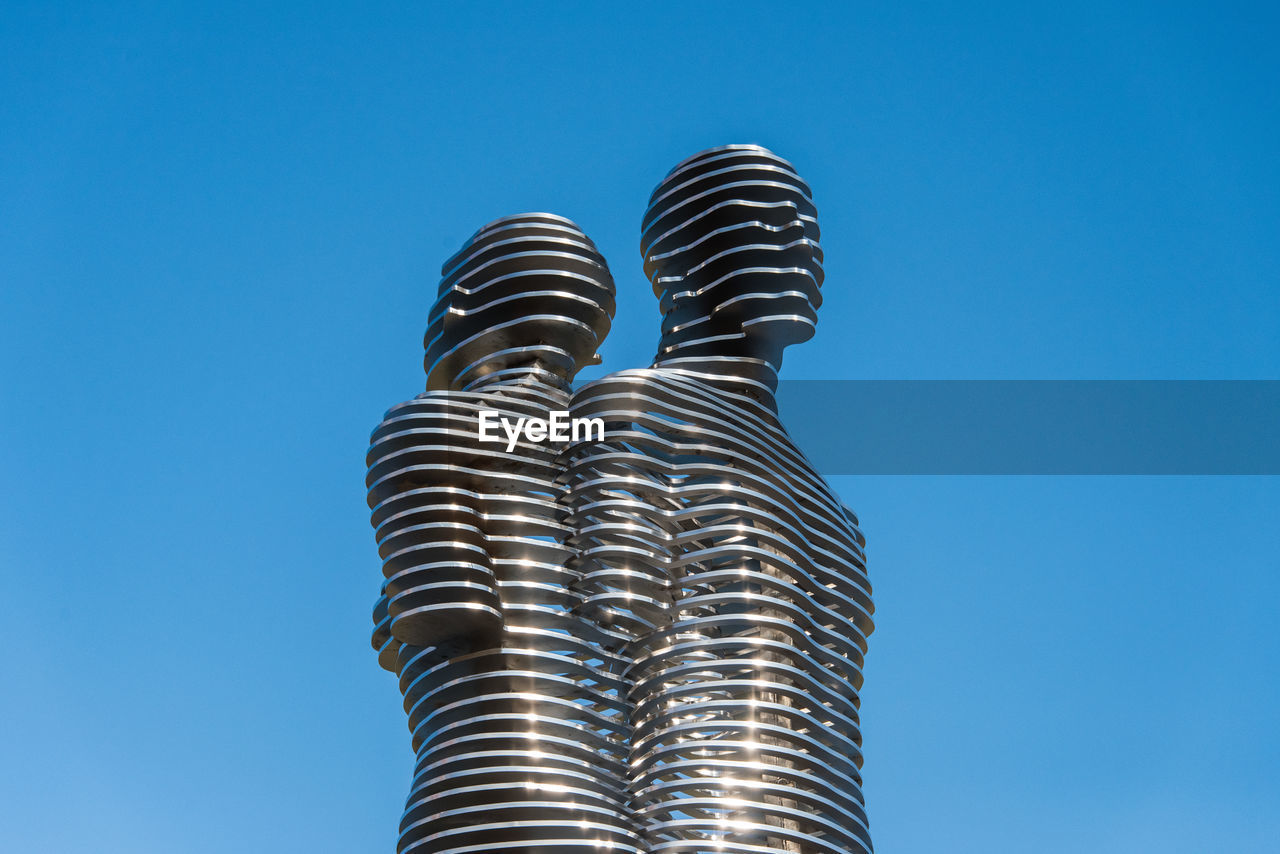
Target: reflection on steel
[[647, 643], [518, 725], [721, 566]]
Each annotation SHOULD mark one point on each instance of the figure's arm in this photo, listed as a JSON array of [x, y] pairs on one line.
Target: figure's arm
[[439, 587], [619, 513]]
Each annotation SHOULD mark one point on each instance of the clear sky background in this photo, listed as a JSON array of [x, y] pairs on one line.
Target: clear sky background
[[220, 231]]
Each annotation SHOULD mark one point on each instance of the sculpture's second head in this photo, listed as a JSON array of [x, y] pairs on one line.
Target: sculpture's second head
[[527, 294], [730, 243]]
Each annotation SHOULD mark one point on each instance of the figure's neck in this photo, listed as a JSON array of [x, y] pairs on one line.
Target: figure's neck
[[529, 374], [745, 375]]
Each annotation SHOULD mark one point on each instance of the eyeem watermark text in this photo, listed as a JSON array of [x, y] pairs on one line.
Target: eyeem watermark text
[[558, 427]]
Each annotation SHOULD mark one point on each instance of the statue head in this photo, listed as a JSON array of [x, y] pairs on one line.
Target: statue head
[[730, 243], [525, 293]]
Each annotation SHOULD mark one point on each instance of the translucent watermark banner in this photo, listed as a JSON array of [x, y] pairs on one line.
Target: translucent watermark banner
[[1103, 427]]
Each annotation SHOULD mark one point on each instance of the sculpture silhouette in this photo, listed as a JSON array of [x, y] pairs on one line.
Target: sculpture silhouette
[[722, 568], [518, 729], [647, 642]]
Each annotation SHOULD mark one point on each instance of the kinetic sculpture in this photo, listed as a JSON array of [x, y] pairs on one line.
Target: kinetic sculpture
[[726, 570], [519, 734], [663, 650]]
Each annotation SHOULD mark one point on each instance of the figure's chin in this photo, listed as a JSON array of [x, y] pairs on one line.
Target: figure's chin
[[781, 330]]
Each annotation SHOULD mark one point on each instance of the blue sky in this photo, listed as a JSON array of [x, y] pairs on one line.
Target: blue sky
[[219, 237]]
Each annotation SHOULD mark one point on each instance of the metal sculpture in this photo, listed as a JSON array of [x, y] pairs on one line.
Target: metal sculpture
[[519, 734], [725, 570], [651, 641]]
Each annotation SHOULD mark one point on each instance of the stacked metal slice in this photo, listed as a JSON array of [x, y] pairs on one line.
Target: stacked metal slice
[[518, 719], [730, 243], [719, 562]]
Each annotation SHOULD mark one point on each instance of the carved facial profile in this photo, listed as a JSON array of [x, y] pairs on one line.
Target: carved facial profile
[[730, 243], [526, 290]]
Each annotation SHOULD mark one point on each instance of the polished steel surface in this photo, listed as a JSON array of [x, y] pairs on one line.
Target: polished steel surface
[[651, 642], [518, 727], [724, 569]]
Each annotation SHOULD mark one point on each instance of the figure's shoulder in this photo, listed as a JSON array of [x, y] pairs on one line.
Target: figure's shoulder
[[653, 380], [626, 377], [642, 389], [431, 410], [436, 402], [715, 396]]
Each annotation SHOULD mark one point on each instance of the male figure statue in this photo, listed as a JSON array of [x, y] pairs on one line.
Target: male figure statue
[[718, 562]]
